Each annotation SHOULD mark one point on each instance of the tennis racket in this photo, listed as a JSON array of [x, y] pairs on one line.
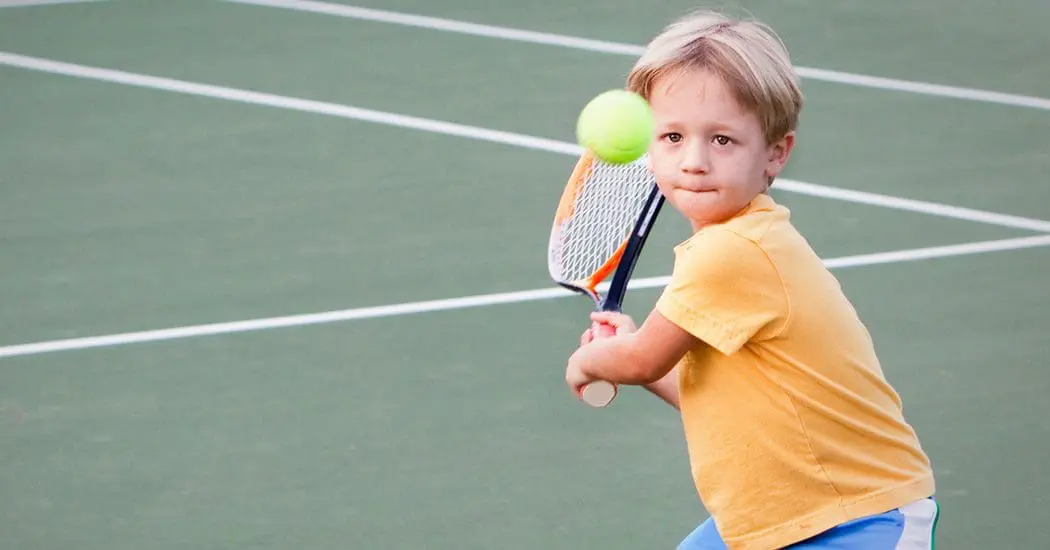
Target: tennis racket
[[600, 226]]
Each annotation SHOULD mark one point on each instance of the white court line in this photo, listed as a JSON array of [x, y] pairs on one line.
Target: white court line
[[482, 134], [505, 33], [910, 205], [474, 301], [21, 3]]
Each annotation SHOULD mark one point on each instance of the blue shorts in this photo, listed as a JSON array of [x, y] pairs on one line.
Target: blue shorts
[[909, 527]]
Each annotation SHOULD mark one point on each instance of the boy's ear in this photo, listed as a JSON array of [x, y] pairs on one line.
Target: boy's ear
[[779, 153]]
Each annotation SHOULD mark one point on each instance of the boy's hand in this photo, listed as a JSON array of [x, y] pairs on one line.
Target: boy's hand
[[606, 324], [574, 375]]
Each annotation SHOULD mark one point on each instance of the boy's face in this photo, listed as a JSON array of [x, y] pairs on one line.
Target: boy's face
[[709, 155]]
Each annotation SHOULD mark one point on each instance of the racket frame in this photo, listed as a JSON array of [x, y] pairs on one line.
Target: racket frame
[[625, 259], [614, 296], [601, 393], [628, 258]]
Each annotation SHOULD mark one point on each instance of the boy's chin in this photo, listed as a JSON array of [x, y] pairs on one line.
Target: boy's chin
[[699, 204], [704, 215]]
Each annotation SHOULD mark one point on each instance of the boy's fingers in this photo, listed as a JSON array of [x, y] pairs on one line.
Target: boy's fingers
[[586, 337], [602, 330], [608, 317]]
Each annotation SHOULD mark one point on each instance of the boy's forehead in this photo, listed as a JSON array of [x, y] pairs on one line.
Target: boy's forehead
[[693, 90]]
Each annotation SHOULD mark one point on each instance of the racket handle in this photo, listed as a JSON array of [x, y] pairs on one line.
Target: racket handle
[[599, 393]]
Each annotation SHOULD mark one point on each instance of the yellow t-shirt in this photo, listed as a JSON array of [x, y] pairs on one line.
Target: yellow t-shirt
[[790, 424]]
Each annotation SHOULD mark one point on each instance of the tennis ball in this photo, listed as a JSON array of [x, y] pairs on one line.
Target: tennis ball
[[616, 125]]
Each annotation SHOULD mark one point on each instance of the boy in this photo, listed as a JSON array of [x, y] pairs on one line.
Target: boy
[[795, 438]]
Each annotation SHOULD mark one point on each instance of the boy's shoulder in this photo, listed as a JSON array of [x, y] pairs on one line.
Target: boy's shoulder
[[763, 218], [760, 244], [726, 288]]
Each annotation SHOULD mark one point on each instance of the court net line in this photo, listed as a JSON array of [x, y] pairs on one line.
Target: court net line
[[617, 48], [212, 329], [481, 134]]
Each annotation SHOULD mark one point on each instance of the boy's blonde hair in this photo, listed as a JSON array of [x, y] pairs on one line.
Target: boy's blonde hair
[[748, 55]]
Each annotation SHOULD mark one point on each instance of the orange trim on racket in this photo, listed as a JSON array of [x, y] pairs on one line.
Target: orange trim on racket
[[566, 208]]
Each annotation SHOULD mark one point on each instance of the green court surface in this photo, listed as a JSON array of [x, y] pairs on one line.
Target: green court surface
[[129, 205]]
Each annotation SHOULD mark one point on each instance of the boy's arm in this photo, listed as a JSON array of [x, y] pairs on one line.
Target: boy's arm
[[666, 388], [642, 358]]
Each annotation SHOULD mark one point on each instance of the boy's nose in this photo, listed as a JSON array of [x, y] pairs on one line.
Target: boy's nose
[[694, 160]]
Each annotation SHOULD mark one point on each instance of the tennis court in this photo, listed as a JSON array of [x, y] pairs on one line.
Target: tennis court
[[274, 272]]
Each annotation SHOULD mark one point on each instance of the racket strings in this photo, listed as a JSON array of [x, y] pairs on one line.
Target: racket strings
[[605, 206]]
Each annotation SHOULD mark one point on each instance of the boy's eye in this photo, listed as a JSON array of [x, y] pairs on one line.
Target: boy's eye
[[723, 140], [673, 137]]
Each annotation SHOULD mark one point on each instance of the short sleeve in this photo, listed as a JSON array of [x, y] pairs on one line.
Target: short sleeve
[[724, 290]]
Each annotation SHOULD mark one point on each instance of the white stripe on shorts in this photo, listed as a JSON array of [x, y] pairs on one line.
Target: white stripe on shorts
[[920, 519]]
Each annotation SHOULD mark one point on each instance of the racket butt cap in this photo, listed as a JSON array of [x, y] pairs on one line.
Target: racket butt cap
[[598, 394]]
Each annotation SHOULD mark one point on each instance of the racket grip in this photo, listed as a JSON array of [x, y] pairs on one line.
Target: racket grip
[[599, 393]]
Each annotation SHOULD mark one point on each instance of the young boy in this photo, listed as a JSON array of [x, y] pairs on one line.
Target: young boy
[[795, 438]]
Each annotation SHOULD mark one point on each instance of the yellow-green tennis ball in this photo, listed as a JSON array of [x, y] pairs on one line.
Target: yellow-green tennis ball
[[617, 126]]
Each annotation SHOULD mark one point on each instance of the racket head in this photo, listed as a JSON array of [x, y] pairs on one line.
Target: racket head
[[596, 216]]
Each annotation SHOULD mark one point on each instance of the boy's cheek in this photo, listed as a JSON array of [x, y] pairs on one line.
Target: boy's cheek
[[663, 187]]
